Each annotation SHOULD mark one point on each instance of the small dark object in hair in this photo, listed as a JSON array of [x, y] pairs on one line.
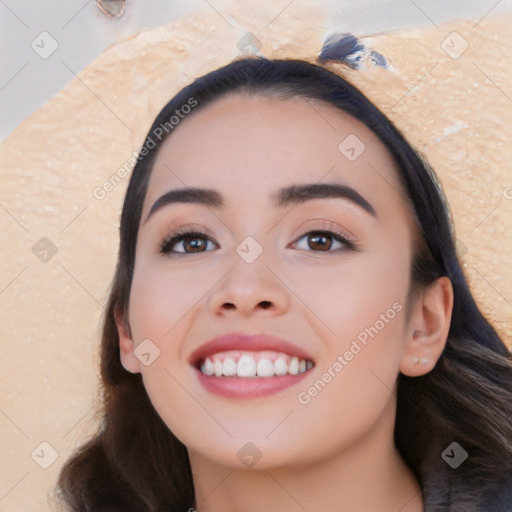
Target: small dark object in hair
[[347, 49], [112, 8]]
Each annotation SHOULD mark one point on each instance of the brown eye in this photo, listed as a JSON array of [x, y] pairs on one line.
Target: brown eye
[[322, 241], [195, 244], [189, 241]]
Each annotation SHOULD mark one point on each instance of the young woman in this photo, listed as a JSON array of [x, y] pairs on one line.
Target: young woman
[[289, 327]]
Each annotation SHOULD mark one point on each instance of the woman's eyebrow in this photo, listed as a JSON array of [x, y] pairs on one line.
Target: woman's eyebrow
[[300, 193], [294, 194]]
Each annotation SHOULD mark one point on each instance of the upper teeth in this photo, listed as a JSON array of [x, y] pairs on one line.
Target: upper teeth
[[245, 364]]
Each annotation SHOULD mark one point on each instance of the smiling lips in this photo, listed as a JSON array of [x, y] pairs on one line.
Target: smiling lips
[[238, 365], [249, 364]]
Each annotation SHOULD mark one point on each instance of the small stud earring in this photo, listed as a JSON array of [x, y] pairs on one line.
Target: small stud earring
[[424, 360], [415, 360]]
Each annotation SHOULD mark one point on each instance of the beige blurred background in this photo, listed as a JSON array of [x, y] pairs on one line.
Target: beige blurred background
[[450, 92]]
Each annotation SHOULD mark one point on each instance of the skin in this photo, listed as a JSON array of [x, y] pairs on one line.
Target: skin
[[336, 451]]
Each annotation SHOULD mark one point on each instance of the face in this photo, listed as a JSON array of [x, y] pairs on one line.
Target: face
[[327, 272]]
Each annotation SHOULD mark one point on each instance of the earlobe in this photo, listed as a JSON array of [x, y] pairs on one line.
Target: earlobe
[[126, 345], [428, 328]]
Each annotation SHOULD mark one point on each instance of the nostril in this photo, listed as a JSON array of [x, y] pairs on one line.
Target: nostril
[[265, 304]]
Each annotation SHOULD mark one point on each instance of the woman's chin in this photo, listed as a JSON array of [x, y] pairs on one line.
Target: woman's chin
[[248, 456]]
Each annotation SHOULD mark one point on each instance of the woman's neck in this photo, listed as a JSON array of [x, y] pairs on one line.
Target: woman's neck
[[369, 476]]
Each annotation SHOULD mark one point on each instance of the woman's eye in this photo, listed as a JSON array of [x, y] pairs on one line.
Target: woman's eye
[[191, 242], [324, 241], [185, 243]]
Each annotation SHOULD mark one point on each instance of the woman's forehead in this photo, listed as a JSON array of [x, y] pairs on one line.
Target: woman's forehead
[[261, 143]]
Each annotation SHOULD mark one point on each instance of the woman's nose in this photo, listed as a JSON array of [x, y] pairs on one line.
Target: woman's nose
[[250, 286]]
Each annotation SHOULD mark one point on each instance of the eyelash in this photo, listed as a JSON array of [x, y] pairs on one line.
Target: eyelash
[[184, 233]]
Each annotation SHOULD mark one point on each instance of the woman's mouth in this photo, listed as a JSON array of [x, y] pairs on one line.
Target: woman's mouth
[[238, 365], [240, 374]]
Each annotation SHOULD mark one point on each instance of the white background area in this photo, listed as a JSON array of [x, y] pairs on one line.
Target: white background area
[[83, 32]]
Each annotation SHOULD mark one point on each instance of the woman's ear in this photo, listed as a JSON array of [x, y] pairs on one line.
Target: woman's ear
[[428, 328], [126, 345]]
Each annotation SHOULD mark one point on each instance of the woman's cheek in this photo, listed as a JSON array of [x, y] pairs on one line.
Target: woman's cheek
[[366, 312], [159, 298], [350, 297]]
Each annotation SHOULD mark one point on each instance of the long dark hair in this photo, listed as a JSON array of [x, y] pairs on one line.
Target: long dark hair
[[135, 463]]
